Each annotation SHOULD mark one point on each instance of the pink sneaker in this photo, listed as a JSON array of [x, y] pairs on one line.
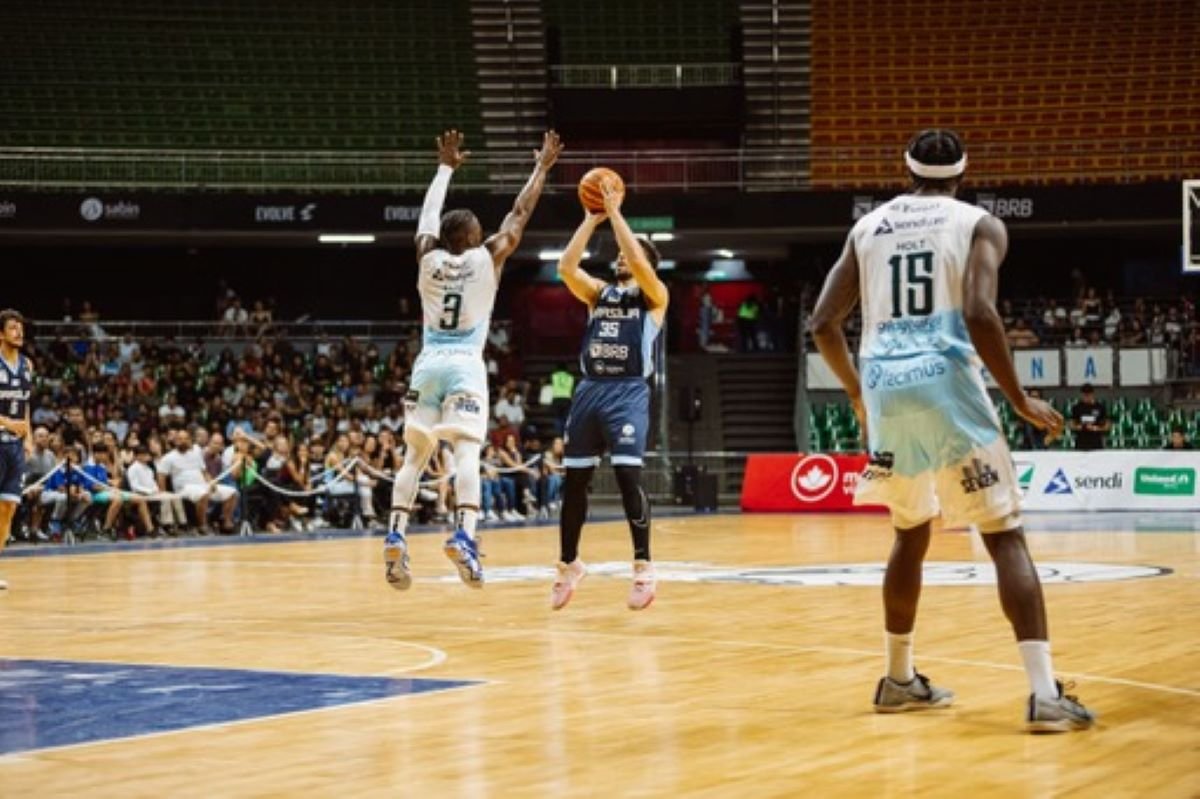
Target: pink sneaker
[[642, 592], [569, 576]]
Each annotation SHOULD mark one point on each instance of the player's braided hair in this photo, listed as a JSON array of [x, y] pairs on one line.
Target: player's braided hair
[[935, 147]]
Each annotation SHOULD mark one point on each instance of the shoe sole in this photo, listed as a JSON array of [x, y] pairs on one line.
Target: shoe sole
[[397, 575], [1062, 725], [909, 707], [464, 570], [649, 602]]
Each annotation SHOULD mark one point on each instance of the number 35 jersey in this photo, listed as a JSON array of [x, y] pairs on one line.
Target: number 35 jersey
[[912, 259], [457, 295], [619, 342]]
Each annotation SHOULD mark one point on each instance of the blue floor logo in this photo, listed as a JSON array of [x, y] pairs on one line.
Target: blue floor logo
[[1059, 484], [51, 703]]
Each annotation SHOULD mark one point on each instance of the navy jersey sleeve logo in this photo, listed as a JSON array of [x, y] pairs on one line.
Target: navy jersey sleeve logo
[[619, 336]]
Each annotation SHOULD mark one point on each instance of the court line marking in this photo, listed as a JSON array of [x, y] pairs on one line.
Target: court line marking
[[857, 653]]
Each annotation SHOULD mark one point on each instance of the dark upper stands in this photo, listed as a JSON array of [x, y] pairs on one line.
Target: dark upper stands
[[639, 32], [355, 74]]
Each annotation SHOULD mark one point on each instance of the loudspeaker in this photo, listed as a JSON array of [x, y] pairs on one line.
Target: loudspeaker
[[706, 492], [690, 404], [696, 487], [684, 484]]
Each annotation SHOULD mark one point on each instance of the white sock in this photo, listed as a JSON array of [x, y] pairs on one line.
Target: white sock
[[398, 521], [467, 519], [1036, 655], [899, 657]]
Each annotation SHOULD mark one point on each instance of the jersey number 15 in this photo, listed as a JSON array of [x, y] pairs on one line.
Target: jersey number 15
[[912, 286]]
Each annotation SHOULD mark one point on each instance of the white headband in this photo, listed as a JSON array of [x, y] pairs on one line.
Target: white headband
[[936, 171]]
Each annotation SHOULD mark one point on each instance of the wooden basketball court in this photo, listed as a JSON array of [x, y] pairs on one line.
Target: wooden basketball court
[[737, 682]]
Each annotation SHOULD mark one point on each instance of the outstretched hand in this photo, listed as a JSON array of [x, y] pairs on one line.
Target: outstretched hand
[[551, 147], [450, 151], [613, 195], [1041, 415]]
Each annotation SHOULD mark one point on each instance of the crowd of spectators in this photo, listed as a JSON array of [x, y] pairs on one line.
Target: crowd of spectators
[[222, 431], [1093, 321]]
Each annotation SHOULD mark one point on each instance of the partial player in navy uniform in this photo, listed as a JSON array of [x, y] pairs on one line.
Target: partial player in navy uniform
[[611, 408], [16, 382]]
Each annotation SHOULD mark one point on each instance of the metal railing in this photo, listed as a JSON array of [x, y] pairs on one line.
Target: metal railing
[[645, 76], [55, 168]]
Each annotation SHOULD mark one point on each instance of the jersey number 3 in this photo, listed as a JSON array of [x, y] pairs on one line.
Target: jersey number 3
[[451, 308], [912, 286]]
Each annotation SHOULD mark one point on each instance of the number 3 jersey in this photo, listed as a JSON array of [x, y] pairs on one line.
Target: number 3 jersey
[[619, 342], [912, 258], [457, 295]]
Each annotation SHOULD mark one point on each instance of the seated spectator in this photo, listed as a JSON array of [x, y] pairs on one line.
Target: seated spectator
[[142, 483], [510, 408], [182, 469], [66, 492], [1077, 338], [553, 470], [1178, 440], [1021, 336], [513, 460], [491, 491], [38, 463]]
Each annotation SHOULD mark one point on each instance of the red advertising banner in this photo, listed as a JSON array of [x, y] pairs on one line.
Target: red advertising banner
[[802, 482]]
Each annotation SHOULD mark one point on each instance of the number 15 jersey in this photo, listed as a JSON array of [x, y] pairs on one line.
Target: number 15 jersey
[[457, 295], [912, 258]]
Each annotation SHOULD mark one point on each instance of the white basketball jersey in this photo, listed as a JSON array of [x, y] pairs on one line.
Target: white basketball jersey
[[457, 295], [912, 258]]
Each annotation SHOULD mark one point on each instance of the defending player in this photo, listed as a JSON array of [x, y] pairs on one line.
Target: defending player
[[926, 267], [16, 384], [611, 408], [459, 272]]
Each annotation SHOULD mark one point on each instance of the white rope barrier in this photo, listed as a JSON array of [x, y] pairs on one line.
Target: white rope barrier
[[41, 480]]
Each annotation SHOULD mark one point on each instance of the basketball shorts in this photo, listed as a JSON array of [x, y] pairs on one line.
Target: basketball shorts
[[12, 467], [194, 492], [612, 415], [936, 444], [448, 396]]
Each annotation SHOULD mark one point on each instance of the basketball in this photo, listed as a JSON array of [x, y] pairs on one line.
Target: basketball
[[589, 188]]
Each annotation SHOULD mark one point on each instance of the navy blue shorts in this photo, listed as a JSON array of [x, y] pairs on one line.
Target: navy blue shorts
[[612, 415], [12, 468]]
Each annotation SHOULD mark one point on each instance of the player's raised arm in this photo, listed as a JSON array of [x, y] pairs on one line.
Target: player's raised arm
[[504, 242], [450, 157], [837, 300], [643, 271], [585, 287], [986, 328]]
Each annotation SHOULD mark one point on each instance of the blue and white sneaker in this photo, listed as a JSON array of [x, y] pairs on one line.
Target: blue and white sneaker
[[463, 552], [395, 558]]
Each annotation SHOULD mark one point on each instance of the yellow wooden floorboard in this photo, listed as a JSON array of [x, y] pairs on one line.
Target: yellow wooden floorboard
[[716, 690]]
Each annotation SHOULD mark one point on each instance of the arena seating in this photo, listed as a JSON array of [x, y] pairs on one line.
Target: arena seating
[[1107, 91], [1139, 424], [193, 74], [637, 32]]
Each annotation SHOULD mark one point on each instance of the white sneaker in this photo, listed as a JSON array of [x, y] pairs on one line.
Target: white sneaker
[[490, 516], [568, 579], [3, 586], [641, 594]]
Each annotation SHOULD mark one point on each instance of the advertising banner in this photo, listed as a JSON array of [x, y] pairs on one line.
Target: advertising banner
[[1109, 480], [792, 482], [1090, 365]]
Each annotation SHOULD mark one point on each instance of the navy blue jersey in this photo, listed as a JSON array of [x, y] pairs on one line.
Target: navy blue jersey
[[619, 342], [16, 386]]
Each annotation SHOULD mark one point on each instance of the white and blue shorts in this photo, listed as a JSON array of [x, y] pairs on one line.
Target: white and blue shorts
[[936, 445], [448, 396]]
